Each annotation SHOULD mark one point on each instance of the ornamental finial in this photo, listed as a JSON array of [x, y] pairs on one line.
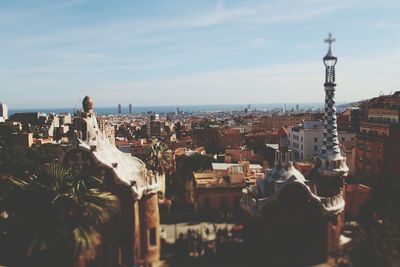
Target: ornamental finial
[[330, 40], [87, 104]]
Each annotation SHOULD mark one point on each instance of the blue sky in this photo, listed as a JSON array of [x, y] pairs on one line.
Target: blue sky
[[53, 53]]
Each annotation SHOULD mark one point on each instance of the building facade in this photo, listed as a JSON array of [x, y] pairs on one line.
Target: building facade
[[220, 189], [306, 139], [154, 127], [277, 122], [377, 141]]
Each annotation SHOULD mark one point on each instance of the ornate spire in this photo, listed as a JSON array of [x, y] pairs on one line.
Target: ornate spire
[[284, 142], [330, 142]]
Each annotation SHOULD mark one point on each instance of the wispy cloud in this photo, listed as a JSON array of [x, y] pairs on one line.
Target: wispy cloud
[[223, 51], [388, 25], [279, 11], [258, 41], [357, 79], [10, 14]]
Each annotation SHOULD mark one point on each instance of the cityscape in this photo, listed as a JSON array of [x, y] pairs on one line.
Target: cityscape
[[121, 181]]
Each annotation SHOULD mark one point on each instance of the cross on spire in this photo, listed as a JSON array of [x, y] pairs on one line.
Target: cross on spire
[[330, 40]]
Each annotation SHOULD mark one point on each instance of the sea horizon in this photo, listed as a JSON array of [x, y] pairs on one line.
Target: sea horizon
[[173, 108]]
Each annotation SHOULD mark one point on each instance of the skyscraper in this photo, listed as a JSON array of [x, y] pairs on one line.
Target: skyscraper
[[154, 126], [130, 108], [3, 111], [119, 109]]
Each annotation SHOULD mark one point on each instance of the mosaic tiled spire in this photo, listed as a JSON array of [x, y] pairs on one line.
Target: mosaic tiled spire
[[330, 141], [284, 142]]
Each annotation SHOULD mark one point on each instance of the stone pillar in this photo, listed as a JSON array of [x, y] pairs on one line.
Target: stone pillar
[[149, 223]]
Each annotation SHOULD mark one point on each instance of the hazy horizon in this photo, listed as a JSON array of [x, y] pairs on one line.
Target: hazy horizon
[[182, 107]]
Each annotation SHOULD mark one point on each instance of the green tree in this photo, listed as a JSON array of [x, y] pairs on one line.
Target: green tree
[[53, 218], [160, 158]]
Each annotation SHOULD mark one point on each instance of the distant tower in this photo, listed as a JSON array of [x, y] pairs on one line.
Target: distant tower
[[154, 126], [119, 109], [130, 108], [3, 111]]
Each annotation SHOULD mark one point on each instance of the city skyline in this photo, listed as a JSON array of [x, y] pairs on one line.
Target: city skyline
[[192, 53]]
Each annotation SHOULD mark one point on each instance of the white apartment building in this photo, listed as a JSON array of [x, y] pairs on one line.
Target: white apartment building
[[306, 139]]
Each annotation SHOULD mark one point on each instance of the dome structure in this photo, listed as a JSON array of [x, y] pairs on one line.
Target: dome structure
[[87, 104], [284, 172]]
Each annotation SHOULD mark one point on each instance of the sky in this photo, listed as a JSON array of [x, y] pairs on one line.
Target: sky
[[144, 53]]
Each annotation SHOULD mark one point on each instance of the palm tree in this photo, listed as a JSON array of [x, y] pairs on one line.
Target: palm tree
[[159, 159], [57, 214]]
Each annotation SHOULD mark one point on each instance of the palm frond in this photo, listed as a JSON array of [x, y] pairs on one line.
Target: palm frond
[[83, 241], [100, 207], [71, 203], [12, 182]]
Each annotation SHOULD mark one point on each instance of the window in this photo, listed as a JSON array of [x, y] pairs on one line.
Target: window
[[315, 148], [315, 139], [301, 147], [153, 236], [301, 139], [379, 149], [343, 139]]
